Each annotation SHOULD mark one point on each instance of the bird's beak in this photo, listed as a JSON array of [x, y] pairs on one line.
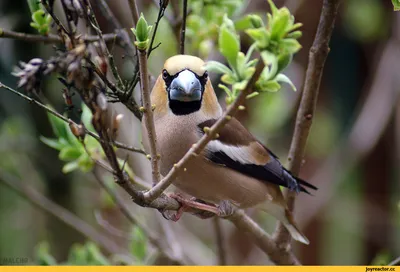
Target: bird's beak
[[186, 87]]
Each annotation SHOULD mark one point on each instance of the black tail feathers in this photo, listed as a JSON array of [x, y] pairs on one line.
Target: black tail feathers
[[297, 184]]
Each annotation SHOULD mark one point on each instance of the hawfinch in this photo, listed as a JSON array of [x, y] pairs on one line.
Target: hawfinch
[[234, 167]]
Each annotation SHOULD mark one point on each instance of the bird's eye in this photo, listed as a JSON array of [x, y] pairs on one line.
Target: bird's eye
[[165, 74], [205, 75]]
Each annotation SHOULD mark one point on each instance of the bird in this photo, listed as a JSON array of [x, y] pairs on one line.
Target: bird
[[234, 167]]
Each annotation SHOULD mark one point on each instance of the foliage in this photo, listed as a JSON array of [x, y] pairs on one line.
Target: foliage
[[204, 20], [276, 42], [357, 21], [72, 150], [87, 254], [139, 244], [40, 20], [396, 5], [142, 33], [90, 254]]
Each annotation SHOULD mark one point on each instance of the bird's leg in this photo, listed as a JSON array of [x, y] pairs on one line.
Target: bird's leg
[[190, 204]]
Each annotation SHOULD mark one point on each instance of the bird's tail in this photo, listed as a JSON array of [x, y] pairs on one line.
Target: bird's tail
[[285, 216], [294, 231]]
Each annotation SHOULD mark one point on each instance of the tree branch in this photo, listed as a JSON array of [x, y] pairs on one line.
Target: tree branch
[[317, 57], [69, 121], [183, 30], [59, 212], [163, 6], [153, 239], [110, 37], [201, 144], [262, 239], [395, 261], [148, 116]]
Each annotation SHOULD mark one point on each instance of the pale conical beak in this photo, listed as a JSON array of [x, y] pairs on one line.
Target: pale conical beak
[[186, 87]]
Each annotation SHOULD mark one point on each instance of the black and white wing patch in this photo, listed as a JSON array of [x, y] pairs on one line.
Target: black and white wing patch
[[250, 158]]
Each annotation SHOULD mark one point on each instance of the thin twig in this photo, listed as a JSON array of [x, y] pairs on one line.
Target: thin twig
[[163, 6], [59, 212], [219, 237], [395, 261], [262, 239], [317, 57], [183, 29], [69, 121], [153, 239], [110, 17], [109, 37], [148, 116], [201, 144], [134, 11], [92, 19]]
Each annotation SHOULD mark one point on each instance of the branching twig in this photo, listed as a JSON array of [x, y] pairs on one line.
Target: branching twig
[[92, 19], [153, 239], [110, 37], [59, 212], [148, 116], [183, 30], [262, 239], [128, 43], [69, 121], [201, 144], [395, 261], [163, 6], [318, 54]]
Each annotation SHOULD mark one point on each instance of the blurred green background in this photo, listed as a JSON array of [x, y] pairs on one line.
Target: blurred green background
[[353, 153]]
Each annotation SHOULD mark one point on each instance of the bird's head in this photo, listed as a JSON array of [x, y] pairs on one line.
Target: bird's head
[[184, 86]]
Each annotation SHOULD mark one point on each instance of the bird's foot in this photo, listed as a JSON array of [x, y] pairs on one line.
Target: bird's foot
[[192, 205], [225, 209]]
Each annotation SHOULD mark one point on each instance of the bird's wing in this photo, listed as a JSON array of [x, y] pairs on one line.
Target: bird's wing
[[237, 149]]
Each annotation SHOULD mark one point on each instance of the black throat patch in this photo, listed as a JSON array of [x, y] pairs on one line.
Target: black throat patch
[[184, 108]]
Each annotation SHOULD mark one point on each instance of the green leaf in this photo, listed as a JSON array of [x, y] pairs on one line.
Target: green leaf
[[290, 46], [295, 35], [228, 79], [283, 61], [142, 32], [34, 5], [248, 56], [256, 21], [279, 24], [94, 256], [38, 17], [85, 163], [43, 256], [53, 143], [283, 78], [217, 67], [86, 117], [139, 243], [228, 45], [396, 5], [260, 36], [268, 86], [69, 167], [226, 89], [243, 23], [78, 255], [69, 153], [274, 9], [271, 63], [59, 127]]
